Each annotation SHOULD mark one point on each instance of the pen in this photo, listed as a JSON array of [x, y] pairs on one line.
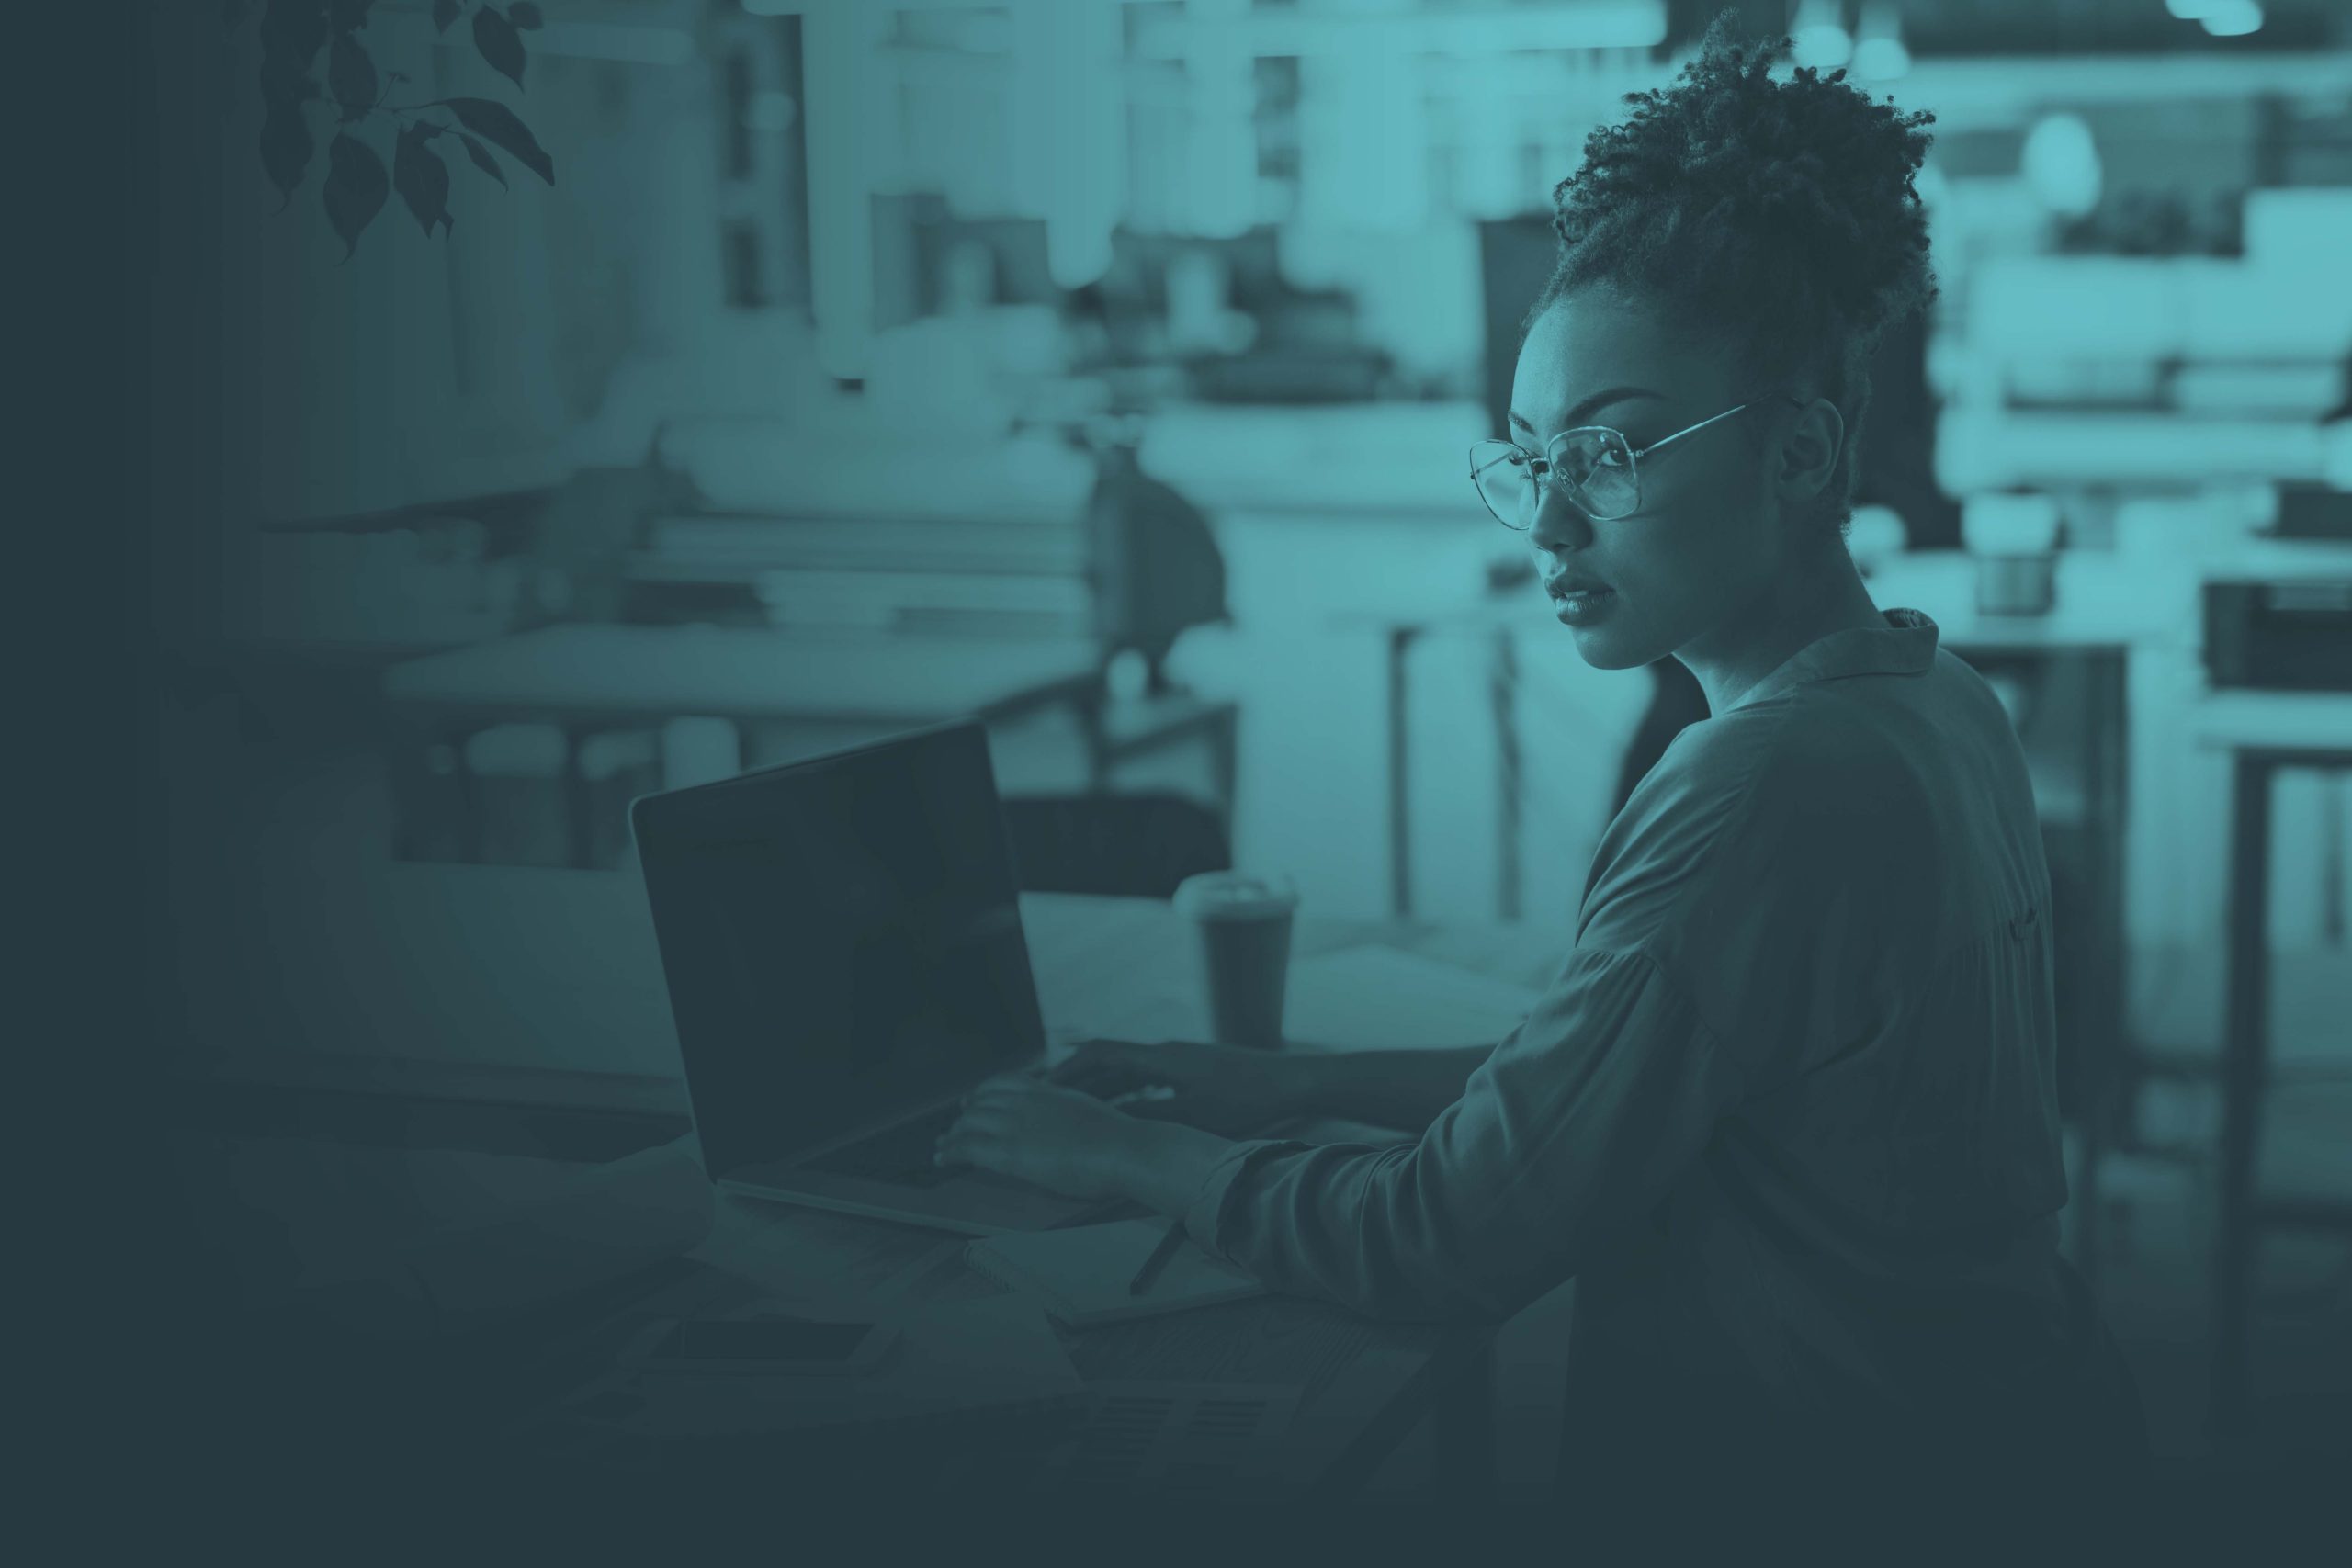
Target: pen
[[1169, 1243]]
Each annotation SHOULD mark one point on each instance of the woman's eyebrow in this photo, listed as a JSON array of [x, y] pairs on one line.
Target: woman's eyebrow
[[1590, 407]]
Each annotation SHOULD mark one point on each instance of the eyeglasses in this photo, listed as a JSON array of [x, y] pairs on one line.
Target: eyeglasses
[[1599, 467]]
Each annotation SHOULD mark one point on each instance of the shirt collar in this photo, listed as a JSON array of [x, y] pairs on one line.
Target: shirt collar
[[1905, 646]]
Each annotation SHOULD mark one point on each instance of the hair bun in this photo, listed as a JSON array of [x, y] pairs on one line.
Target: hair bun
[[1779, 217], [1809, 170]]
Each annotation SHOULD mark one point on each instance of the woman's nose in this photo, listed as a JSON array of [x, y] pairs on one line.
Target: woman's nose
[[1560, 524]]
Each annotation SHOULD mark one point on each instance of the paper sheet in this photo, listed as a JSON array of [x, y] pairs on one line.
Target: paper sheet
[[1203, 1438]]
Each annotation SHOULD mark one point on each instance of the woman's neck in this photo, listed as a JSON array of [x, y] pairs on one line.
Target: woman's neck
[[1815, 599]]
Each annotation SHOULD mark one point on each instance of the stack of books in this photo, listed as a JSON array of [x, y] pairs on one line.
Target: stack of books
[[915, 574]]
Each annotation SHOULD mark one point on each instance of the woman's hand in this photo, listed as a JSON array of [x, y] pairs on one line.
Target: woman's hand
[[1224, 1089], [1044, 1135]]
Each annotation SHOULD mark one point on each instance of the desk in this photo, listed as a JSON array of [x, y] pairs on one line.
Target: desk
[[1103, 965], [1118, 966], [605, 673], [1496, 619], [846, 686], [2264, 732]]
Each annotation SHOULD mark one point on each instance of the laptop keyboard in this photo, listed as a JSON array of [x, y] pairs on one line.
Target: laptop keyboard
[[898, 1154]]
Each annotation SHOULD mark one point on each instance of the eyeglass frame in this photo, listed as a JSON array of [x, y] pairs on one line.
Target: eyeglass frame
[[1634, 455]]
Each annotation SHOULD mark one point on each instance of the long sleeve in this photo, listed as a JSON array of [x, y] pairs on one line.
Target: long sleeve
[[1787, 1113], [1572, 1129]]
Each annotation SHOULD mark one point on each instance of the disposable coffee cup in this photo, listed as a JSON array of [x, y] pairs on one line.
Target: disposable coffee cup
[[1241, 922]]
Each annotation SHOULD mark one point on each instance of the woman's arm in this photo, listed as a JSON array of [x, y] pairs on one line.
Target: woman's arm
[[1074, 1142], [1239, 1092], [1405, 1089], [1164, 1164]]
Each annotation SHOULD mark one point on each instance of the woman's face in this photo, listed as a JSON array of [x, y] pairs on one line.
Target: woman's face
[[1698, 558]]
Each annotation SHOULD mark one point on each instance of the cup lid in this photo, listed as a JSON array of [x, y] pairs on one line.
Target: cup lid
[[1235, 895]]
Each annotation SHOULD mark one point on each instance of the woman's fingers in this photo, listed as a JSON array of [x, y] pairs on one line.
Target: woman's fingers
[[1107, 1068], [964, 1132], [1099, 1082], [963, 1144], [998, 1091], [985, 1118], [1096, 1062], [1114, 1057], [1165, 1107]]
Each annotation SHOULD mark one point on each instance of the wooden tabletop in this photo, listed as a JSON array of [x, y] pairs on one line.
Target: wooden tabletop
[[1960, 625], [738, 672], [2243, 719], [1103, 967], [1119, 966]]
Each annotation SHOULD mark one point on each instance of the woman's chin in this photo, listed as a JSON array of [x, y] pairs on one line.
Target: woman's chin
[[1607, 648], [1602, 659]]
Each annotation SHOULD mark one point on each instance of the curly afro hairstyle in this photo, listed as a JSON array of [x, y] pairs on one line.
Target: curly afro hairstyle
[[1781, 217]]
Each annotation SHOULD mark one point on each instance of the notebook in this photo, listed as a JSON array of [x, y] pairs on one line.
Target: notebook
[[1079, 1275], [1205, 1439], [964, 1363]]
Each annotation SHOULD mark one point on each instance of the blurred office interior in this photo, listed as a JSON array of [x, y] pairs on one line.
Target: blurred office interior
[[1107, 366]]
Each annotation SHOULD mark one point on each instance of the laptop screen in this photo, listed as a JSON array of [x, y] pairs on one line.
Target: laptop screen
[[841, 940]]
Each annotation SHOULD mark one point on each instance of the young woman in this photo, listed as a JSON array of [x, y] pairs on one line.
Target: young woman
[[1787, 1114]]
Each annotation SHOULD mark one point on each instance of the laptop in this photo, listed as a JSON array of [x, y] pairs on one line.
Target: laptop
[[841, 940]]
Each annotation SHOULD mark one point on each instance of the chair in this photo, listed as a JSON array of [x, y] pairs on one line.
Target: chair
[[1138, 846]]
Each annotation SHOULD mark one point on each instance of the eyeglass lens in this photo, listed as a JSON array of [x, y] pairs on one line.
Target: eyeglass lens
[[1596, 465]]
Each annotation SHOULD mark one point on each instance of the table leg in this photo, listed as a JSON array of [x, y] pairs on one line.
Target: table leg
[[2086, 1195], [1464, 1428], [1092, 725], [1503, 693], [474, 835], [1226, 760], [2242, 1071], [579, 812], [424, 817], [1400, 856]]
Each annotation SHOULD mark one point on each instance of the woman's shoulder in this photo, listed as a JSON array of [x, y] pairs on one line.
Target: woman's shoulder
[[1793, 741], [1769, 824], [1826, 744], [1792, 778]]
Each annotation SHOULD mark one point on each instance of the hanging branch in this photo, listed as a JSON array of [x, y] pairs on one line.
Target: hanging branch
[[296, 33]]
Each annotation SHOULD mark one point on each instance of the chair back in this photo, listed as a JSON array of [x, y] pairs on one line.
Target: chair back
[[1138, 846]]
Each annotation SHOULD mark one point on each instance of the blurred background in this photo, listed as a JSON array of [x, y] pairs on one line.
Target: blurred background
[[1106, 366]]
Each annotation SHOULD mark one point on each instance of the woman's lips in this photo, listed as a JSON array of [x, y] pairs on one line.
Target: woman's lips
[[1584, 603]]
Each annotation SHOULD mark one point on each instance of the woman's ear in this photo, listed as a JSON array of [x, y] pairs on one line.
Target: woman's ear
[[1808, 453]]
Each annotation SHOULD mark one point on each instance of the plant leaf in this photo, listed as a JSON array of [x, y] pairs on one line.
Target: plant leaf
[[292, 33], [504, 128], [357, 186], [444, 13], [285, 146], [283, 82], [499, 43], [482, 159], [525, 16], [351, 76], [420, 177]]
